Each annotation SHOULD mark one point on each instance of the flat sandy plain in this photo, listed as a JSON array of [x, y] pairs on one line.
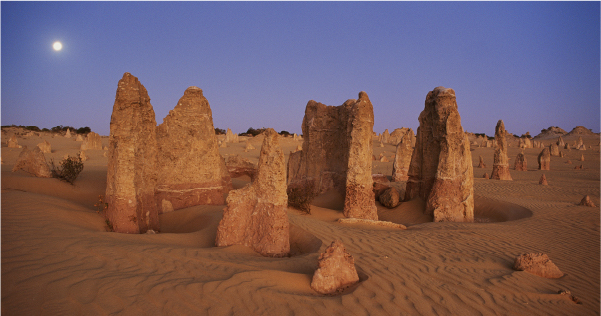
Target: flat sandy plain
[[58, 258]]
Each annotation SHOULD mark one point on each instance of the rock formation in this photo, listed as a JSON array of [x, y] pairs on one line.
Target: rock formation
[[560, 142], [45, 147], [79, 138], [500, 166], [337, 153], [336, 270], [386, 137], [580, 144], [294, 164], [581, 158], [68, 134], [13, 143], [397, 135], [256, 215], [132, 167], [381, 183], [521, 164], [390, 197], [481, 164], [586, 201], [402, 159], [554, 150], [537, 264], [190, 170], [92, 141], [441, 171], [384, 159], [544, 159], [231, 137], [83, 156], [238, 166], [543, 180], [249, 146], [33, 162], [485, 175], [580, 130]]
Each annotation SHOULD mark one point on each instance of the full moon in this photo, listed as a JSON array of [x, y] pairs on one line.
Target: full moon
[[57, 46]]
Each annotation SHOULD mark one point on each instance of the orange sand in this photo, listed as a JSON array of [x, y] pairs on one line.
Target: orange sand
[[57, 257]]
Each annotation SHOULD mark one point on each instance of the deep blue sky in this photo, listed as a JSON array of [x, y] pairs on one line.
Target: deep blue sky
[[532, 64]]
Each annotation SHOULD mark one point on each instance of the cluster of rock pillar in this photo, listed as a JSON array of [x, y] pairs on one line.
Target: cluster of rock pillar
[[176, 163]]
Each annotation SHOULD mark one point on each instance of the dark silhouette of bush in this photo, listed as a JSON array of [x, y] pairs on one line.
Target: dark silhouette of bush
[[301, 194], [68, 170], [32, 128], [83, 130], [285, 133], [219, 131], [253, 132]]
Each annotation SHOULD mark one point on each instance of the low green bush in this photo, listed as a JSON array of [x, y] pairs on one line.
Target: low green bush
[[68, 170]]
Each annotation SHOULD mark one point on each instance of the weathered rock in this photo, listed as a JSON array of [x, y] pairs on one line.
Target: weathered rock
[[83, 156], [500, 166], [543, 180], [231, 137], [336, 270], [384, 159], [525, 142], [105, 148], [441, 171], [544, 159], [397, 135], [569, 295], [381, 144], [294, 164], [582, 158], [45, 147], [132, 166], [580, 144], [586, 201], [256, 215], [561, 154], [520, 164], [166, 206], [567, 146], [578, 167], [33, 162], [554, 150], [249, 146], [537, 264], [386, 137], [238, 166], [580, 130], [481, 164], [92, 141], [486, 176], [569, 162], [560, 142], [381, 183], [190, 170], [13, 143], [104, 154], [68, 134], [79, 138], [337, 152], [402, 159], [390, 197], [223, 145]]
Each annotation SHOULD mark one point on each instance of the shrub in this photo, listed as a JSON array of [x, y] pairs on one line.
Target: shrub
[[68, 170], [57, 129], [301, 194], [219, 131], [32, 128], [285, 133], [83, 130]]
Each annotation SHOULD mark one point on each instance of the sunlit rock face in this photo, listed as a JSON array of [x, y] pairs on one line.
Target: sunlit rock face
[[337, 153], [500, 166], [441, 171], [190, 169], [132, 167], [256, 215]]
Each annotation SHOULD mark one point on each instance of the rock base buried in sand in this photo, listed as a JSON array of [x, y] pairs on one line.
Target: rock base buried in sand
[[390, 198], [371, 222], [537, 264], [570, 296], [586, 201], [336, 270], [485, 176], [33, 162]]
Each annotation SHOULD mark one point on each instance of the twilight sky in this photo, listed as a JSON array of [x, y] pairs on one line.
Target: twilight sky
[[531, 64]]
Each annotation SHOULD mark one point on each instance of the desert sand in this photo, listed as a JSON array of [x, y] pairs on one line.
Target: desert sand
[[59, 259]]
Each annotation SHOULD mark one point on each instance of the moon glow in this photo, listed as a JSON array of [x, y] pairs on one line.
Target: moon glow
[[57, 46]]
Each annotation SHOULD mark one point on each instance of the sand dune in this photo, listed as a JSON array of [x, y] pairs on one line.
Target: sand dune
[[58, 258]]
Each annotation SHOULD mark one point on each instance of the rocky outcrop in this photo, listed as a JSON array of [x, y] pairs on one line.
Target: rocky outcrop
[[390, 197], [336, 270], [83, 156], [551, 132], [441, 171], [543, 180], [554, 150], [520, 164], [581, 158], [256, 215], [132, 167], [386, 137], [231, 137], [190, 170], [294, 164], [544, 159], [486, 176], [381, 183], [402, 159], [68, 134], [13, 143], [537, 264], [586, 201], [45, 147], [33, 162], [238, 166], [337, 153], [580, 130], [500, 166], [248, 146], [399, 133], [481, 164], [79, 138], [92, 141], [560, 142], [580, 144]]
